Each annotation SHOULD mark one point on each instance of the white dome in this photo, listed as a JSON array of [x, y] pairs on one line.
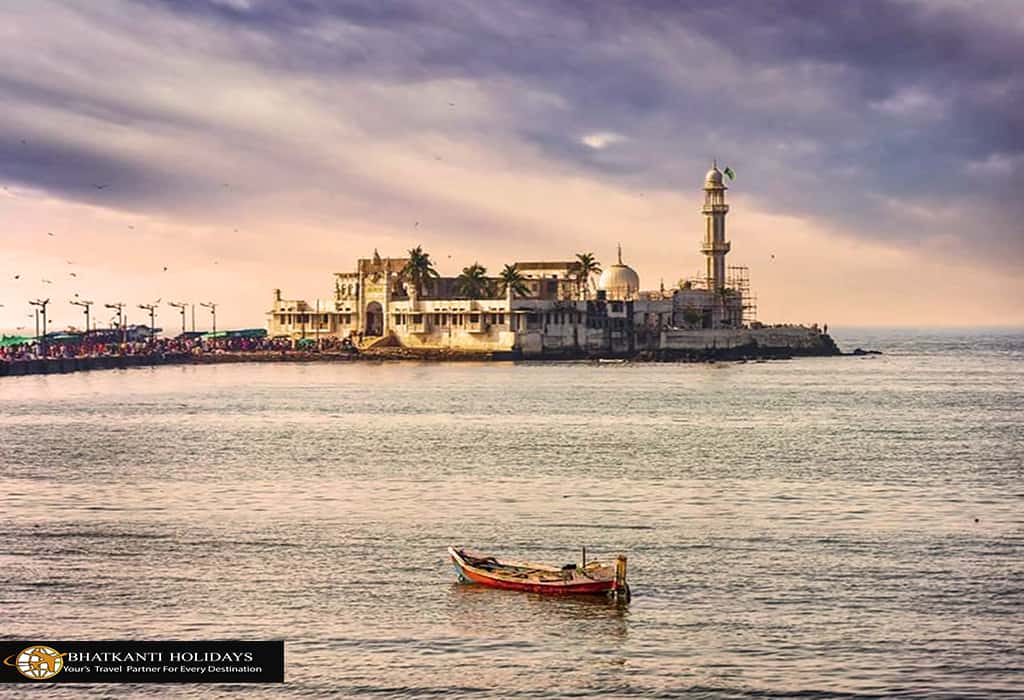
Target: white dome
[[714, 176], [619, 281]]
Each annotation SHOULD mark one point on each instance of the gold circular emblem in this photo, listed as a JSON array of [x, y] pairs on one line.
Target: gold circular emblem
[[37, 662]]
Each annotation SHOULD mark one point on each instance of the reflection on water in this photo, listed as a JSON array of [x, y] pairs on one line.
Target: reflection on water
[[823, 526]]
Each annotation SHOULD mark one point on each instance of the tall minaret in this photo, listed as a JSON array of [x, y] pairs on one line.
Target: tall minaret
[[715, 246]]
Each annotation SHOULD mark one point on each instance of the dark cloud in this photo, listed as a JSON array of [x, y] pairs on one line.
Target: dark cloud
[[120, 109], [839, 110], [84, 174]]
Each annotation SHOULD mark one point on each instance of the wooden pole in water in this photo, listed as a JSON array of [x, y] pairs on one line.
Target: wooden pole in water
[[584, 557]]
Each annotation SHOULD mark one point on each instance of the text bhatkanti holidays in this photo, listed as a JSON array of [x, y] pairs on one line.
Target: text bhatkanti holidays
[[157, 656]]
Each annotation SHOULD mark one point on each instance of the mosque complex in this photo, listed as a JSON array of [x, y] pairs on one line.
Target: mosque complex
[[549, 309]]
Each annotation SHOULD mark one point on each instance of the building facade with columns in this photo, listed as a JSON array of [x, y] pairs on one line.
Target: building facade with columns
[[558, 309]]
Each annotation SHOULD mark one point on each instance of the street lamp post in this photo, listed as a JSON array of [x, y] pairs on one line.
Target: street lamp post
[[213, 312], [119, 306], [41, 309], [85, 304], [181, 306], [151, 308]]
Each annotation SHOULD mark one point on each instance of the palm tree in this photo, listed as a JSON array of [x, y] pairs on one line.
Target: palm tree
[[419, 270], [512, 281], [589, 266], [473, 282]]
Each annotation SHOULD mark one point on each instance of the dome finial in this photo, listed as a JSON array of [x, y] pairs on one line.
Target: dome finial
[[713, 178], [620, 253]]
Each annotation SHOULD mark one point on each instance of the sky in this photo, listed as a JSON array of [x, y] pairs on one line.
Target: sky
[[214, 150]]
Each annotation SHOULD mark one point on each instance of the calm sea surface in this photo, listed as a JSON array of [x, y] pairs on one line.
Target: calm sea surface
[[841, 526]]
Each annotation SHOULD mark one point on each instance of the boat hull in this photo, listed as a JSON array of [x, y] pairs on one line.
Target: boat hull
[[570, 587]]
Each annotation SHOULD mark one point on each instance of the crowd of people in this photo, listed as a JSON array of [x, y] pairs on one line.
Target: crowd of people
[[36, 350]]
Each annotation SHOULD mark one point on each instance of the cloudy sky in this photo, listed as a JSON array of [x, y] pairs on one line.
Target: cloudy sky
[[245, 145]]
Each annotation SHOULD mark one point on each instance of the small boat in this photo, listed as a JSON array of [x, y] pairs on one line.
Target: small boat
[[572, 579]]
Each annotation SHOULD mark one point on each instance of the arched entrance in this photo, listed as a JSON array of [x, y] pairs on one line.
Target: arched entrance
[[374, 319]]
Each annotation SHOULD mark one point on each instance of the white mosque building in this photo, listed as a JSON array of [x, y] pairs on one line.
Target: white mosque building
[[556, 311]]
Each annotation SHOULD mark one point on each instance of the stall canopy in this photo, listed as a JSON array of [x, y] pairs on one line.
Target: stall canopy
[[7, 341], [243, 333]]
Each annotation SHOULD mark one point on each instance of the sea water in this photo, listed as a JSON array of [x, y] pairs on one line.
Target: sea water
[[823, 526]]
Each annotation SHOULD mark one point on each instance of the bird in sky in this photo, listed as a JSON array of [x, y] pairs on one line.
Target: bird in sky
[[73, 274], [101, 187], [773, 256], [47, 281], [165, 268], [49, 233], [71, 262], [17, 277], [416, 225], [131, 227]]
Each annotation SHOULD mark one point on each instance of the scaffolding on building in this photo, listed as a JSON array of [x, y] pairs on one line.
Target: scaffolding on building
[[738, 278], [694, 282]]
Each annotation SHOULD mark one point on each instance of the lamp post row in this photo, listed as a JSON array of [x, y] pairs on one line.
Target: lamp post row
[[41, 304]]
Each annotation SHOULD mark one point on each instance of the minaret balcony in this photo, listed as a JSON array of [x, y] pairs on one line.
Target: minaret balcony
[[715, 209], [713, 248]]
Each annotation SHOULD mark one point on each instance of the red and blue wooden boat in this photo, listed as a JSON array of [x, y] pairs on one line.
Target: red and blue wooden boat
[[587, 578]]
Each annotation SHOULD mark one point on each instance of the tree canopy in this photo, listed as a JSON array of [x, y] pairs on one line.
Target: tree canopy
[[419, 270], [590, 267], [512, 279], [473, 282]]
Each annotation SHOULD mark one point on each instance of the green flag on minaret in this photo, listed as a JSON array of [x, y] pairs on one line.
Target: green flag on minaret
[[728, 172]]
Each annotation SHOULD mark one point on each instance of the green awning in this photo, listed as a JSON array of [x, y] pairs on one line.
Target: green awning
[[244, 333], [250, 333], [7, 341]]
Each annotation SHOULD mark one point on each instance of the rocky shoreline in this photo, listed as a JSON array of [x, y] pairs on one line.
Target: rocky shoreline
[[740, 353]]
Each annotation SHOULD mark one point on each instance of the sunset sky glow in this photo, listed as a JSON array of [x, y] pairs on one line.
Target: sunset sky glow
[[251, 144]]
